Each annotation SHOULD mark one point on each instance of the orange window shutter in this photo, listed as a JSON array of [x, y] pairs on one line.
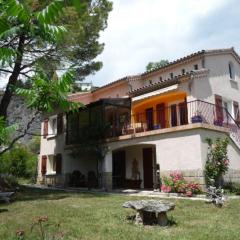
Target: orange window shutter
[[219, 108], [44, 165]]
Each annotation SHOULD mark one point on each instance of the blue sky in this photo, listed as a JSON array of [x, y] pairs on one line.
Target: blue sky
[[140, 31]]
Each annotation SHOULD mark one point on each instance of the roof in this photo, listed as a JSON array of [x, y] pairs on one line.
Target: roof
[[167, 82], [190, 57], [195, 55]]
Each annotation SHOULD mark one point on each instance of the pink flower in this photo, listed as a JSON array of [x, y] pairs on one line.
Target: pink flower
[[189, 193], [166, 189]]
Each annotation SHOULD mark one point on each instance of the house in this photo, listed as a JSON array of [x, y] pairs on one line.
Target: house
[[156, 122]]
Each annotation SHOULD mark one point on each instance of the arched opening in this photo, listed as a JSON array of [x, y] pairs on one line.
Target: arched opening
[[134, 167]]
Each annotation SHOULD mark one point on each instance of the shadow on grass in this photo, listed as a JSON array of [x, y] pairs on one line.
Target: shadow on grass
[[131, 219], [3, 210], [31, 194]]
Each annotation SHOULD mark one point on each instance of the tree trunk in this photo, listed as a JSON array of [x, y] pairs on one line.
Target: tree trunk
[[13, 78]]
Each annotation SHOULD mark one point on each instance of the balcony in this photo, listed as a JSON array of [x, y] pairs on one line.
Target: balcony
[[180, 114], [112, 119]]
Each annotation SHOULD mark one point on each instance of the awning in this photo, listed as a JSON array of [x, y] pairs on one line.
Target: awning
[[155, 93]]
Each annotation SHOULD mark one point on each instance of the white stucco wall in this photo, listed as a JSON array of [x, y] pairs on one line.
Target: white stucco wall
[[179, 151], [233, 150], [174, 151], [218, 80]]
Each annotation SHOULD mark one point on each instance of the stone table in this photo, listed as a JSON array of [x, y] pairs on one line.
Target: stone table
[[150, 211]]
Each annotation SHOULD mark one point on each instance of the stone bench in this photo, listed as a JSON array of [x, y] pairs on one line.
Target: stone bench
[[150, 211], [5, 196]]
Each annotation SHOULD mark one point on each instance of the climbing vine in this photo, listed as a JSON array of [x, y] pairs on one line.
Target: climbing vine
[[217, 163]]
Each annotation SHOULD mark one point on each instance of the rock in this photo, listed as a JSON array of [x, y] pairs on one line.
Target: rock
[[150, 211], [150, 205]]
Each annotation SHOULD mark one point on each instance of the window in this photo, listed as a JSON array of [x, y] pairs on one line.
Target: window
[[227, 105], [231, 71], [196, 67], [183, 71], [52, 126], [171, 75], [51, 166]]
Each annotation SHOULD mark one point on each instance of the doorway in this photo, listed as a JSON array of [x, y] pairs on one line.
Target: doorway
[[119, 169], [148, 167]]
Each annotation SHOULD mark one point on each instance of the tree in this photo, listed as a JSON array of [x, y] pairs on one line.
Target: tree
[[33, 35], [154, 65], [50, 35]]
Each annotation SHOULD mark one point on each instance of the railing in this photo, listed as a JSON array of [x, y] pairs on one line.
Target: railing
[[177, 115]]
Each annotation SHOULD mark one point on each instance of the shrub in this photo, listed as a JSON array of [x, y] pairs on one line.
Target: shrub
[[19, 162], [176, 183], [217, 163], [232, 187]]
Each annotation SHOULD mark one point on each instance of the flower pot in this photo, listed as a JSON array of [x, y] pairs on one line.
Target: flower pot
[[218, 123], [197, 119]]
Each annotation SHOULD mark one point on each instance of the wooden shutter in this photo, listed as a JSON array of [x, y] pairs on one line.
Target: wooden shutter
[[183, 113], [236, 111], [44, 165], [45, 128], [59, 163], [219, 108], [174, 115], [60, 123], [161, 114]]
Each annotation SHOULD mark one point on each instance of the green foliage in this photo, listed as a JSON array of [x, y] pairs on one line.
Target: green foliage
[[46, 95], [34, 145], [217, 163], [232, 187], [5, 131], [154, 65], [19, 162]]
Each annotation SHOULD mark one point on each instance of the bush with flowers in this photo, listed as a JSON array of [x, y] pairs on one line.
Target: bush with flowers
[[176, 183], [217, 163]]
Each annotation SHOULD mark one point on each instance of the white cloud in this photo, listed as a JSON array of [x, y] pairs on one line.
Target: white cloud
[[140, 31]]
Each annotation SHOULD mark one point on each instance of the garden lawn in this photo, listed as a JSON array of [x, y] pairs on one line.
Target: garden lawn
[[101, 216]]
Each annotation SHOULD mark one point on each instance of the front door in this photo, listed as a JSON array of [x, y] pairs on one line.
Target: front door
[[148, 167], [149, 118], [119, 169]]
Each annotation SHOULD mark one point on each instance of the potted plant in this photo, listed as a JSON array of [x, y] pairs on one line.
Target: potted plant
[[218, 122], [197, 118]]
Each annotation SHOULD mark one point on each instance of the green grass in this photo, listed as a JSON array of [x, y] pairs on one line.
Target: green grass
[[101, 216]]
